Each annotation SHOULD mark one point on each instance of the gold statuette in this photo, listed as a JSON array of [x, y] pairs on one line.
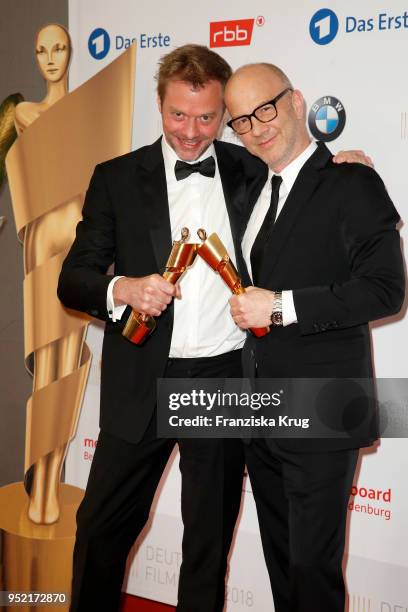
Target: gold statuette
[[181, 257], [60, 141], [215, 254]]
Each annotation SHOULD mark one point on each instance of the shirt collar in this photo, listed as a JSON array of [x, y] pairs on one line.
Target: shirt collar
[[290, 172], [170, 156]]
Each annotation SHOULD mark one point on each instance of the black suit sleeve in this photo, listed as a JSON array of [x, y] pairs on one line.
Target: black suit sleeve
[[83, 281], [375, 289]]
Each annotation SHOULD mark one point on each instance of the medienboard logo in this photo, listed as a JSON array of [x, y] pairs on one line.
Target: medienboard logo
[[379, 504], [231, 33]]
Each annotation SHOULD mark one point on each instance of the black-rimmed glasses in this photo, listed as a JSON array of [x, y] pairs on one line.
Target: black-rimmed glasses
[[264, 113]]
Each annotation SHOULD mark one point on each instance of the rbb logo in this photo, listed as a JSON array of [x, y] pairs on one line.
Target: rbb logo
[[231, 33]]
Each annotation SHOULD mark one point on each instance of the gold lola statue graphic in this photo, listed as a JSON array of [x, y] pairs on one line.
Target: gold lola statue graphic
[[47, 236], [60, 141]]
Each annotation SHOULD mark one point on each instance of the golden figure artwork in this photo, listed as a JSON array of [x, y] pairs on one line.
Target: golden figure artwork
[[60, 141], [8, 135], [46, 237]]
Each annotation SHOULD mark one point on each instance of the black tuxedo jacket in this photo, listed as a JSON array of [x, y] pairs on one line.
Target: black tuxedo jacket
[[126, 222], [336, 246]]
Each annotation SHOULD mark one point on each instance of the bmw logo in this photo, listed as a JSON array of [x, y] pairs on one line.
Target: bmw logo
[[327, 118], [99, 43], [324, 26]]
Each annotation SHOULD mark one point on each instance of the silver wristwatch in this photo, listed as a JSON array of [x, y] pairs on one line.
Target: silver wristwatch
[[276, 315]]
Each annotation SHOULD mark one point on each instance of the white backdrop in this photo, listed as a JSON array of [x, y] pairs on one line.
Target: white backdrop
[[362, 64]]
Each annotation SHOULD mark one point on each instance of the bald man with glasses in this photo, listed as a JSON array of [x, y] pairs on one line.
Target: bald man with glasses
[[323, 253]]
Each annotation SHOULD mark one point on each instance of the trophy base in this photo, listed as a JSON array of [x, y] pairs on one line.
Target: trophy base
[[36, 557], [138, 327], [259, 332]]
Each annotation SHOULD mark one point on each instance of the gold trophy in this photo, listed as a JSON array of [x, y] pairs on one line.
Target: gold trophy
[[181, 257], [46, 238], [61, 139], [215, 254]]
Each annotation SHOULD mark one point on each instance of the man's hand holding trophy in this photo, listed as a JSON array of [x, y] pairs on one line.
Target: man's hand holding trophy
[[182, 256]]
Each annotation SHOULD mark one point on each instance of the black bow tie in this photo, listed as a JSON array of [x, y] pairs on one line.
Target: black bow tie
[[206, 167]]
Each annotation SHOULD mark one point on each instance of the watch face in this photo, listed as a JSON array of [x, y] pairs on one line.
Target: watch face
[[276, 318]]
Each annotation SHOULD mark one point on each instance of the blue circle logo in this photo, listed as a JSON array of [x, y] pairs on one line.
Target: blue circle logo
[[99, 43], [324, 26], [327, 118]]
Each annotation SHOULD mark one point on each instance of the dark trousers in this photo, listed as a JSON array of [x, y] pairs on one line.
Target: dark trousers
[[301, 500], [120, 490]]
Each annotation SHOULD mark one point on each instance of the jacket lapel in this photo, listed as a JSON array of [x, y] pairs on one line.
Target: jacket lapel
[[233, 185], [237, 200], [151, 183], [299, 197]]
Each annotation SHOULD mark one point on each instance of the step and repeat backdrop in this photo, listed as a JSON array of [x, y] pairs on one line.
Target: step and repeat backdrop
[[349, 60]]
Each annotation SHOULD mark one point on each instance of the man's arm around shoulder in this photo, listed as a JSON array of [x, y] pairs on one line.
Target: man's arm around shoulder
[[367, 222]]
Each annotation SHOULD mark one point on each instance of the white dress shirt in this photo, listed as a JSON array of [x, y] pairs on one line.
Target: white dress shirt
[[203, 326], [289, 176]]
